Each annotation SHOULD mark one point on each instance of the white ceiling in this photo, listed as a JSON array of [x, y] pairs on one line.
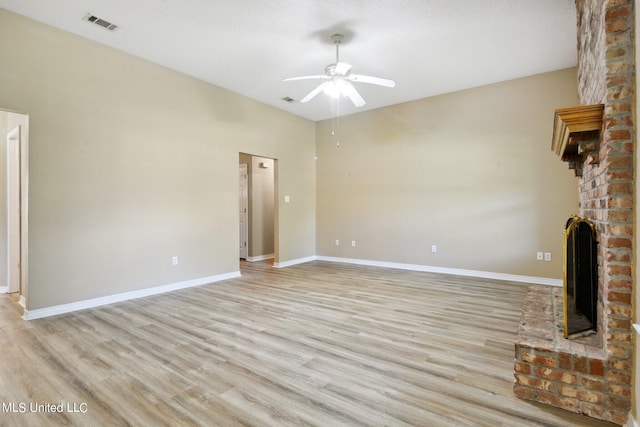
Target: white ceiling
[[428, 47]]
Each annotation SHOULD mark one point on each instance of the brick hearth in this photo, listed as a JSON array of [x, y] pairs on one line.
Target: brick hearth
[[571, 374]]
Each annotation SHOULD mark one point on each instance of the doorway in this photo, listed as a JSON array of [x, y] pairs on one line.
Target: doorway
[[243, 210], [13, 241], [260, 205]]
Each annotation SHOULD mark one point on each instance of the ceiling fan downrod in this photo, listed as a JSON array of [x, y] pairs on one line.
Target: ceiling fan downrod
[[337, 39]]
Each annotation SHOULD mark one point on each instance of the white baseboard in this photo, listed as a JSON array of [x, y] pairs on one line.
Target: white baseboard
[[22, 301], [294, 262], [4, 289], [125, 296], [260, 257], [443, 270]]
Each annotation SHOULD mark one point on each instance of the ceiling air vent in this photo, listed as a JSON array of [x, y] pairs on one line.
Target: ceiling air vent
[[288, 99], [101, 22]]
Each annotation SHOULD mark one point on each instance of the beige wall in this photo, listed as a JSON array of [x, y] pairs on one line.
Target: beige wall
[[132, 163], [471, 172]]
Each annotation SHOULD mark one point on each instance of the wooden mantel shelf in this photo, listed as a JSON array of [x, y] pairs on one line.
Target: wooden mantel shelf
[[576, 135]]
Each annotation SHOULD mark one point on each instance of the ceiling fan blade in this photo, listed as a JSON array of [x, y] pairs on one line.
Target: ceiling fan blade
[[372, 80], [353, 95], [313, 93], [319, 76]]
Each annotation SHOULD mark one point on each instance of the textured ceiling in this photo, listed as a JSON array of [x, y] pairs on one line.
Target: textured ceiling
[[428, 47]]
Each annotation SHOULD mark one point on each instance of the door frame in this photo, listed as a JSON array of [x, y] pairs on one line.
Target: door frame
[[243, 205], [13, 205], [246, 158], [23, 120]]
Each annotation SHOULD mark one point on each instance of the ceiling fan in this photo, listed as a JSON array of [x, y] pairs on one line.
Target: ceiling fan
[[338, 79]]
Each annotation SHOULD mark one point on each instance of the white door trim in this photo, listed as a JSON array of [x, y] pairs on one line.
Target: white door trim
[[14, 222], [243, 211]]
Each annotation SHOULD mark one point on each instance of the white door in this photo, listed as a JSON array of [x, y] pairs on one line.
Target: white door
[[14, 239], [244, 215]]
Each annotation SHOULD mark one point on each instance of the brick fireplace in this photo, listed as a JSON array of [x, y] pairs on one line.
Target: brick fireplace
[[592, 374]]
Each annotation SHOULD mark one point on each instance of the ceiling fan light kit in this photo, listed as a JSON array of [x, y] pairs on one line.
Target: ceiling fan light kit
[[335, 88], [338, 79]]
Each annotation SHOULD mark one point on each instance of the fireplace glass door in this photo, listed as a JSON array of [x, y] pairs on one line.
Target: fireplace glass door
[[580, 276]]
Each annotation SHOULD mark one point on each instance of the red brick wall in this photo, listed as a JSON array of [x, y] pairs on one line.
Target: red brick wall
[[605, 70], [605, 76], [591, 43]]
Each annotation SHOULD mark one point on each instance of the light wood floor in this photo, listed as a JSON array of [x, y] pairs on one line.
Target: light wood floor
[[316, 344]]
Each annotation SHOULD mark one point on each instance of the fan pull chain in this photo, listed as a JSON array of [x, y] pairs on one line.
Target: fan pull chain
[[335, 121]]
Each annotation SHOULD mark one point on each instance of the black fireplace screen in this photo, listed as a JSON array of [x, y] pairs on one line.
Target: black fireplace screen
[[580, 276]]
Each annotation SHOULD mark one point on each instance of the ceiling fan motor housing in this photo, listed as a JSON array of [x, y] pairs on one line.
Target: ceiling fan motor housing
[[339, 69]]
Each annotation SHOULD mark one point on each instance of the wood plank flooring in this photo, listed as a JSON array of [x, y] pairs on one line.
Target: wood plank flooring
[[318, 344]]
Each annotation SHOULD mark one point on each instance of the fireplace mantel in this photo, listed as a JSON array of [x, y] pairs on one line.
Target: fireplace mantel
[[576, 135]]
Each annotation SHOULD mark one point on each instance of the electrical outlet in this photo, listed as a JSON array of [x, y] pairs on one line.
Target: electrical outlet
[[174, 260], [337, 242], [434, 249], [539, 256], [547, 256], [353, 243]]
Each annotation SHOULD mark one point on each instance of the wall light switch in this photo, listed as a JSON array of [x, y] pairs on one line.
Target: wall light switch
[[287, 199], [434, 248], [337, 242], [539, 256], [353, 243]]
